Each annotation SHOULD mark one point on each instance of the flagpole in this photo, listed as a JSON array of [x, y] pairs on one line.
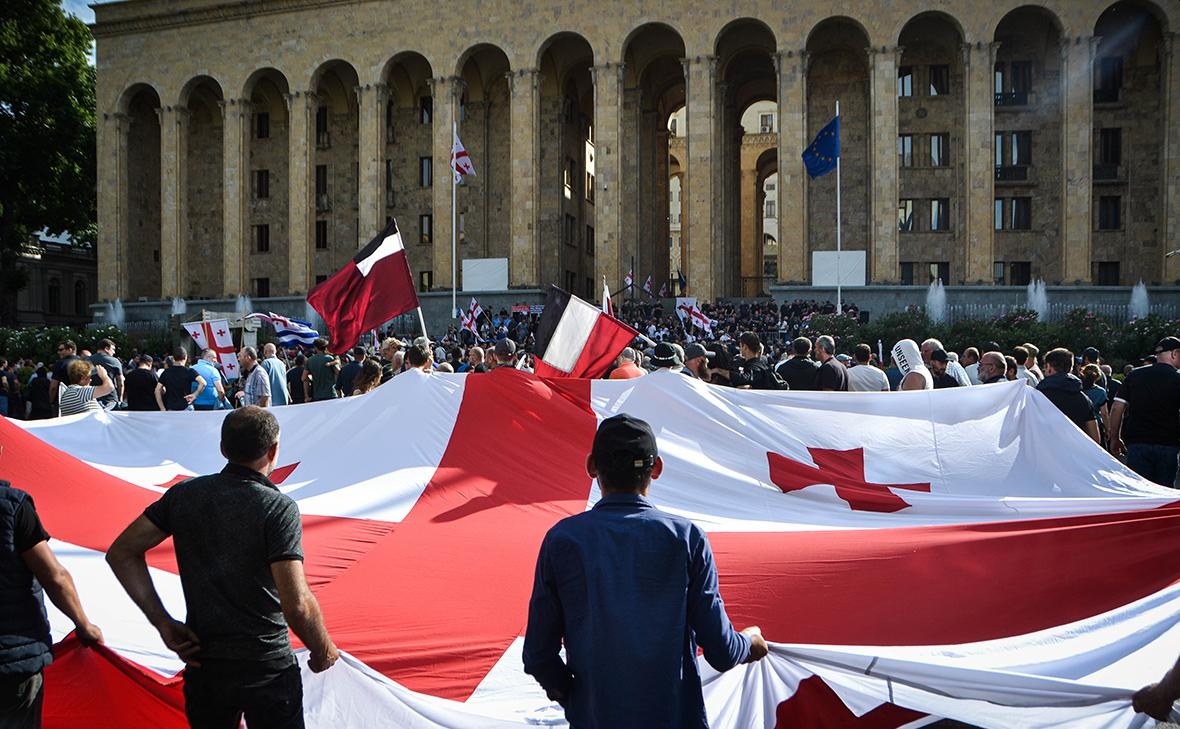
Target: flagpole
[[454, 228], [422, 321], [839, 276]]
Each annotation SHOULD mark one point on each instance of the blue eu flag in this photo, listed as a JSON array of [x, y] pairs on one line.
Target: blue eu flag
[[821, 155]]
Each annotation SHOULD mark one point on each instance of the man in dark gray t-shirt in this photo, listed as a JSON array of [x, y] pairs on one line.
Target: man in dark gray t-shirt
[[238, 544]]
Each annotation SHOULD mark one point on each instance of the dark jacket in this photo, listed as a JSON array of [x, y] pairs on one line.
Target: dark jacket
[[25, 645], [1065, 392], [800, 373]]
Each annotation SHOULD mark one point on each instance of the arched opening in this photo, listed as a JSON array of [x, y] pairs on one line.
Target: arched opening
[[485, 126], [749, 128], [653, 88], [265, 240], [143, 193], [203, 241], [765, 217], [409, 126], [838, 70], [677, 156], [930, 127], [1128, 132], [336, 172], [566, 181], [1027, 144]]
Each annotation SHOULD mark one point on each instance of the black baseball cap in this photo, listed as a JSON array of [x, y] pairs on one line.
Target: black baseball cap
[[624, 442], [939, 355]]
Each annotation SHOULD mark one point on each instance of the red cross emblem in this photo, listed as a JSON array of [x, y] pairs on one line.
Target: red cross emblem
[[846, 471]]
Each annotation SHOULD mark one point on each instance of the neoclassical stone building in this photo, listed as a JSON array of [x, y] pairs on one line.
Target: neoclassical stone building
[[249, 147]]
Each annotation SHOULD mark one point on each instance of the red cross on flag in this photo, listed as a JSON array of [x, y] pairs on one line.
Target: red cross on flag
[[460, 160], [216, 335], [965, 553], [471, 317]]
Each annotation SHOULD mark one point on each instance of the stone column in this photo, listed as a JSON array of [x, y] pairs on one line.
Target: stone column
[[979, 179], [173, 178], [1077, 157], [235, 187], [883, 233], [301, 109], [111, 138], [792, 176], [371, 101], [660, 229], [751, 216], [445, 91], [1169, 215], [608, 135], [525, 123], [704, 245]]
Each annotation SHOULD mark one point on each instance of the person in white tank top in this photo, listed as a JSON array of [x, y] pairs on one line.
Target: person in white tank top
[[908, 358]]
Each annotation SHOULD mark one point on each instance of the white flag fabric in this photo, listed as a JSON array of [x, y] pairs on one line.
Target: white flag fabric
[[471, 317], [216, 335], [964, 553], [460, 160]]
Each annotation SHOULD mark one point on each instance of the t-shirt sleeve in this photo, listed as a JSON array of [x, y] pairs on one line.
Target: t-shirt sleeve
[[284, 532], [29, 532], [160, 513]]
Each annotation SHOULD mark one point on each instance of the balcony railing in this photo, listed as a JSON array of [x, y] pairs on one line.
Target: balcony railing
[[1012, 98], [1011, 173], [323, 140]]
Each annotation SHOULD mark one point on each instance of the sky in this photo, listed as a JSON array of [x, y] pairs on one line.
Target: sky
[[79, 8]]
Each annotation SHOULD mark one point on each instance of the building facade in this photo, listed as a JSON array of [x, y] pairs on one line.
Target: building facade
[[251, 147], [62, 283]]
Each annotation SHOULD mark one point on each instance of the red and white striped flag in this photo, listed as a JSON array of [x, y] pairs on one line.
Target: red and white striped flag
[[216, 335], [460, 160], [608, 306]]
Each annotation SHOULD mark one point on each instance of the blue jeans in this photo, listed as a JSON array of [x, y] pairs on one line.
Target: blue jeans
[[1154, 462]]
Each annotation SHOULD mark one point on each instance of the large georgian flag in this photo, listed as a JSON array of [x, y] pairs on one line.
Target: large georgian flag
[[962, 553], [374, 287], [216, 335]]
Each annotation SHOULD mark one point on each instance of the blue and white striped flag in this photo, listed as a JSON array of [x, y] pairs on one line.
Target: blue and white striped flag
[[289, 331]]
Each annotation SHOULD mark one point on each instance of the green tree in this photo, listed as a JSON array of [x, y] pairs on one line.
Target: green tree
[[47, 154]]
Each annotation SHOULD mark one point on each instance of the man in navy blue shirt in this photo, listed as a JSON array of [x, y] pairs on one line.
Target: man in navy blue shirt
[[630, 591]]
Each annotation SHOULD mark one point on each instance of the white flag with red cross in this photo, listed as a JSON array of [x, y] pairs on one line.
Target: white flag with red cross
[[460, 160], [965, 553], [216, 335]]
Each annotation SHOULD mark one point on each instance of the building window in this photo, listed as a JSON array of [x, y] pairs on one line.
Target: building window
[[590, 240], [1110, 146], [907, 273], [1110, 212], [390, 196], [940, 209], [262, 125], [999, 214], [672, 126], [260, 287], [425, 109], [425, 280], [425, 228], [389, 125], [570, 278], [1108, 79], [261, 184], [1021, 149], [766, 123], [321, 127], [322, 202], [1021, 273], [568, 232], [80, 298], [1013, 155], [769, 211], [54, 296], [998, 84], [425, 171], [940, 271], [1106, 273], [1021, 213], [569, 175], [998, 272], [321, 235], [1013, 89], [1022, 78], [905, 150], [262, 238], [939, 146], [940, 80], [905, 215], [905, 81]]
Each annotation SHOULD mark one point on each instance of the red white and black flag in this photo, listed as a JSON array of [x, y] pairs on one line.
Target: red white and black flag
[[374, 287], [576, 339]]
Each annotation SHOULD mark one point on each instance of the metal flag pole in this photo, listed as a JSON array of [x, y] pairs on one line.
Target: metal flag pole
[[454, 228], [422, 321], [839, 271]]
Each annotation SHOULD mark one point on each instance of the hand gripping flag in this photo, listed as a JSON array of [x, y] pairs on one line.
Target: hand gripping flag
[[371, 289], [576, 339], [906, 554], [216, 335], [460, 160], [821, 155], [471, 317]]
